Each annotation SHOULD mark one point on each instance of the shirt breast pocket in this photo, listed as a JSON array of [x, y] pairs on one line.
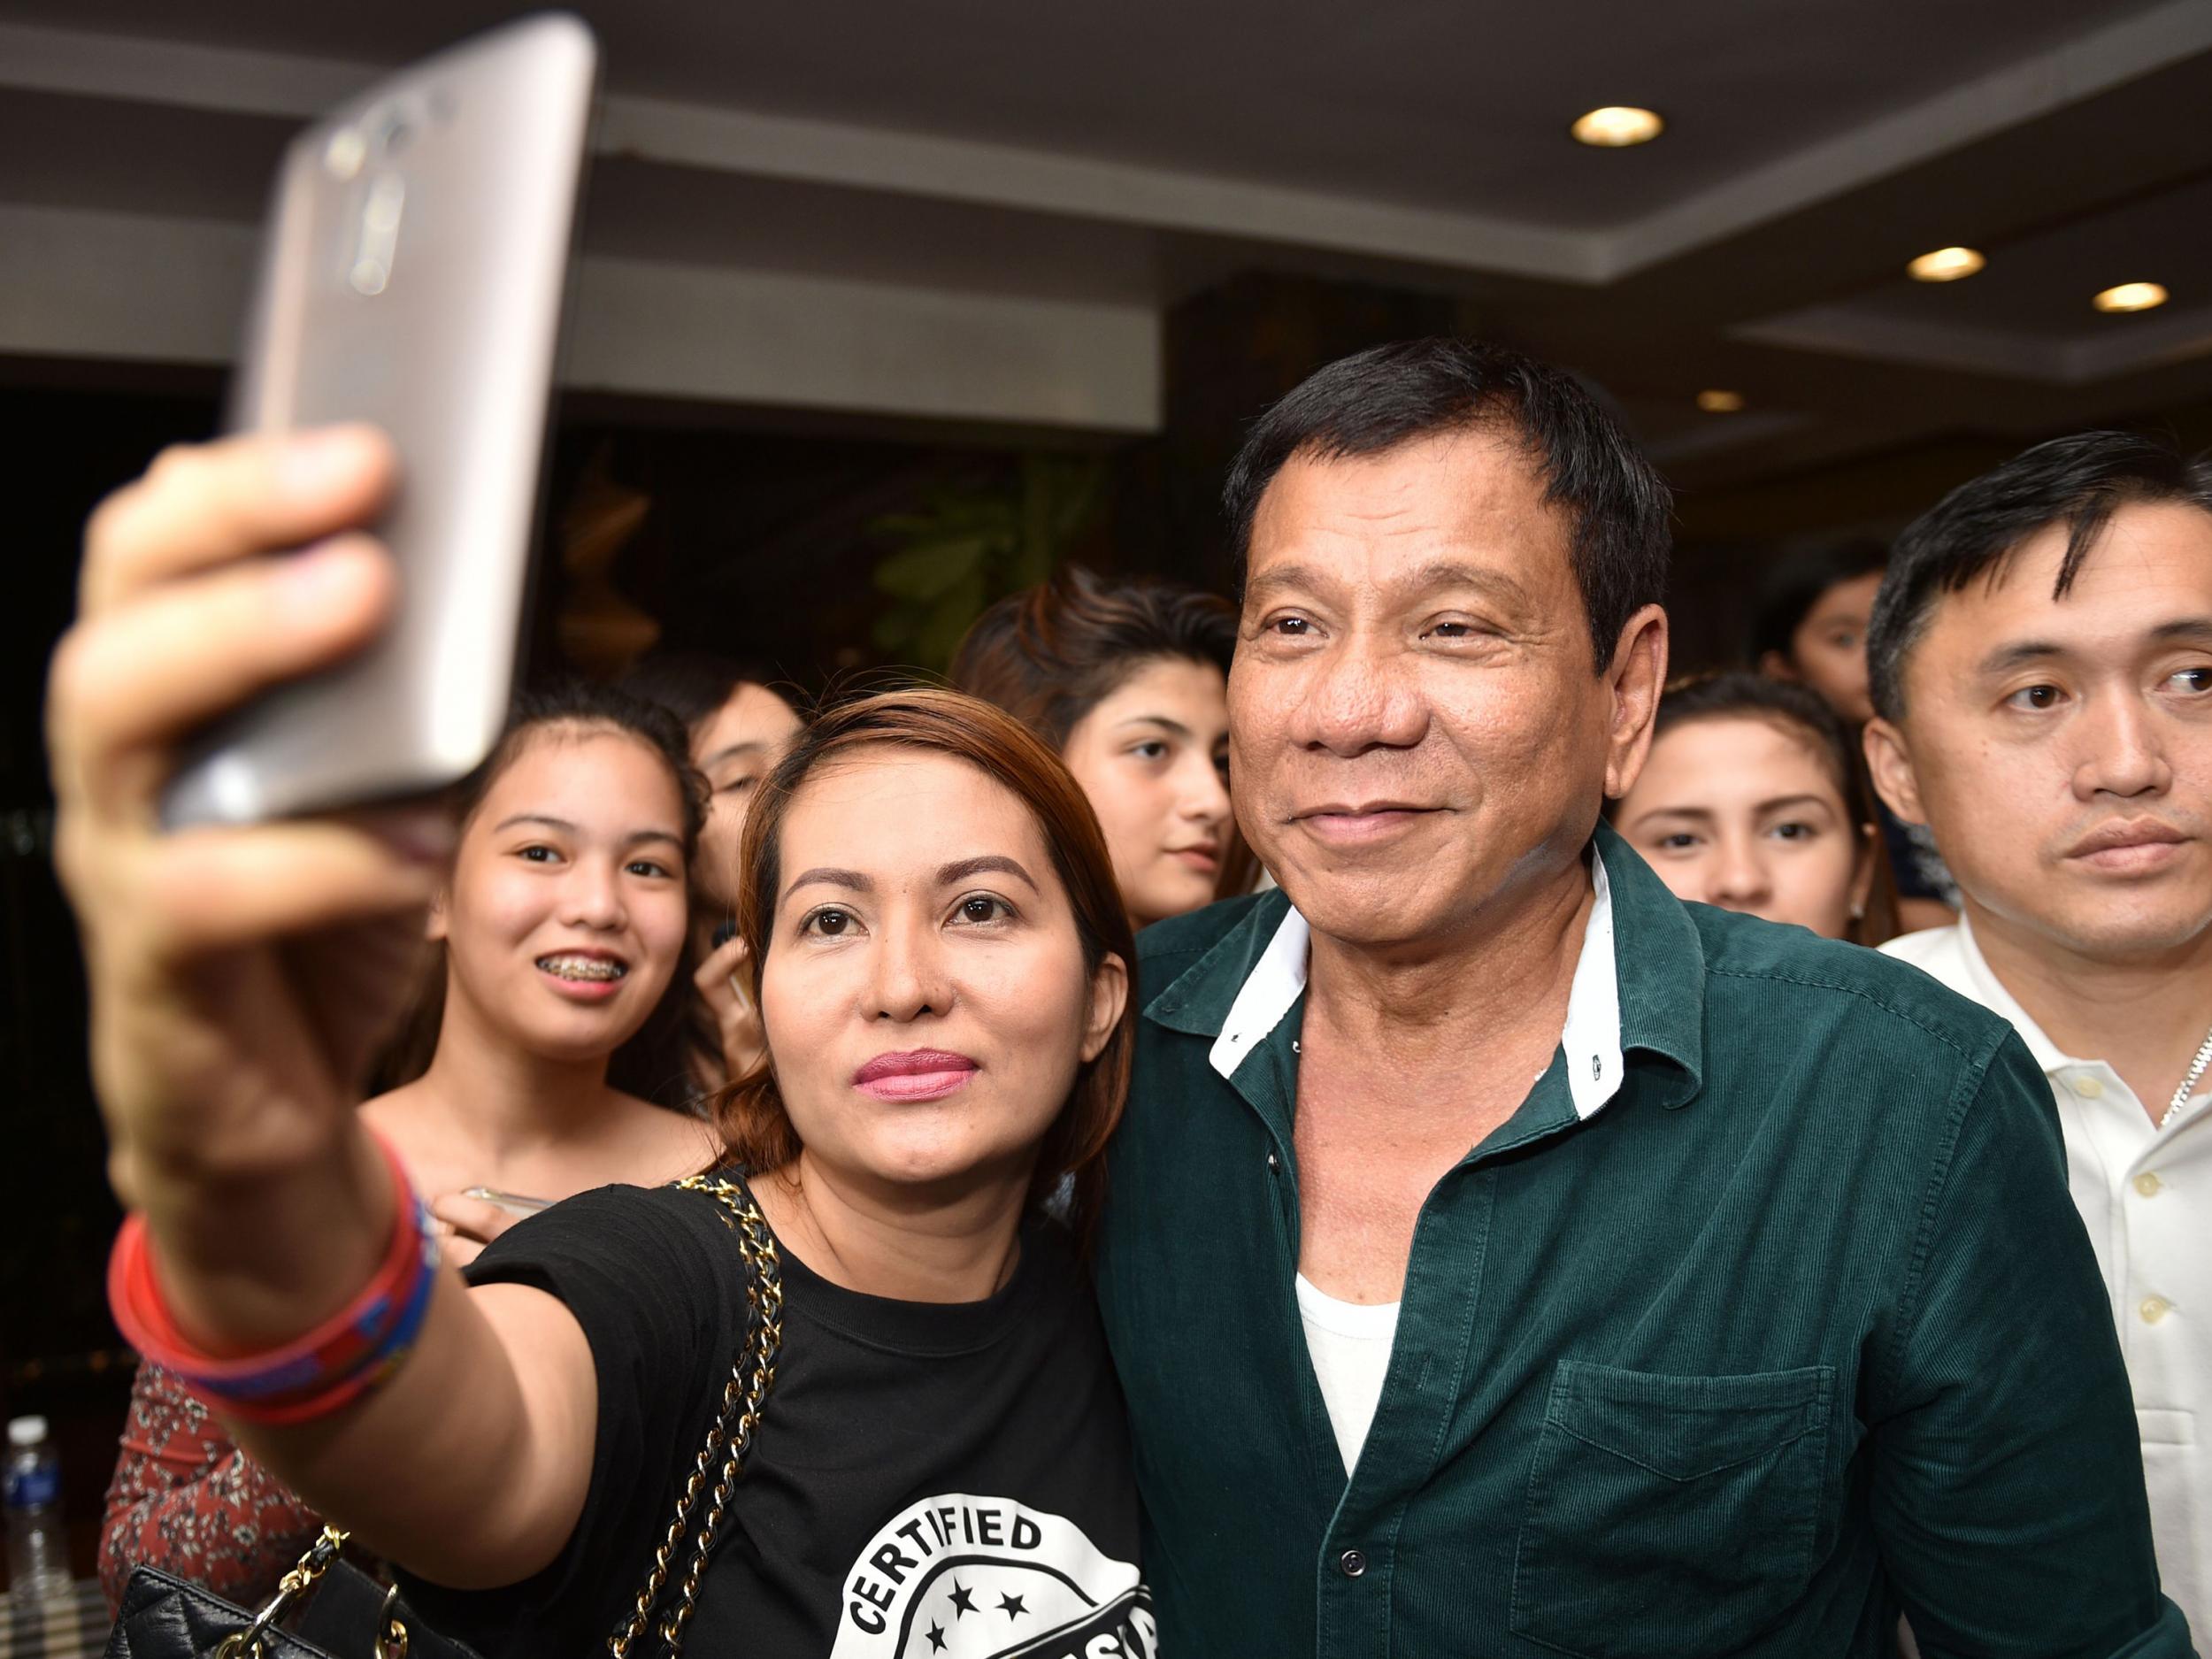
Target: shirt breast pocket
[[1676, 1515]]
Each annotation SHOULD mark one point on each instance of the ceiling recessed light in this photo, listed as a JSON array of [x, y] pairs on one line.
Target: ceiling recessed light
[[1618, 125], [1946, 265], [1714, 401], [2130, 297]]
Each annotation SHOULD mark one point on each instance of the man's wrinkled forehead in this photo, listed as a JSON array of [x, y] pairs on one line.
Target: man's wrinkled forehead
[[1470, 500]]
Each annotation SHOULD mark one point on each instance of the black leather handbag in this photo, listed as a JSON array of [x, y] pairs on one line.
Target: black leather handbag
[[352, 1615]]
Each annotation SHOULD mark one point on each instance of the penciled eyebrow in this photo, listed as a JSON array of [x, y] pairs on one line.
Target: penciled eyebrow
[[565, 827], [948, 875], [989, 863], [852, 880]]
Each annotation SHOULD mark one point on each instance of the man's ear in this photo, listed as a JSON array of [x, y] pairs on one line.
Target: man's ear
[[1889, 760], [1635, 677], [1109, 995]]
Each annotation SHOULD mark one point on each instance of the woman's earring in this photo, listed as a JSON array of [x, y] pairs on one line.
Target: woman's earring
[[1858, 909]]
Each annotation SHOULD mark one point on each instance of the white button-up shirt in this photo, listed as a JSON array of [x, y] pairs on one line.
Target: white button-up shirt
[[2145, 1196]]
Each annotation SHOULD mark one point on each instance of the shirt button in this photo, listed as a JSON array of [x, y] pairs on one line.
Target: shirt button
[[1274, 1162], [2149, 1184], [2088, 1088], [1351, 1563], [2153, 1309]]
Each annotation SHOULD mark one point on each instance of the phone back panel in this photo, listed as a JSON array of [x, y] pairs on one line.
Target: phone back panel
[[413, 278]]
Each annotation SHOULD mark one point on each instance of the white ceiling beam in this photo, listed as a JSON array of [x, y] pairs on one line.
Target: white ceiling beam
[[298, 87], [2110, 347], [111, 285]]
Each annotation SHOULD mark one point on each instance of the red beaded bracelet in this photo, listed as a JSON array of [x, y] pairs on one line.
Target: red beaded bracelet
[[347, 1354]]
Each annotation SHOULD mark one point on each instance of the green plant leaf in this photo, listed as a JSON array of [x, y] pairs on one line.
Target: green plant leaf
[[948, 619], [929, 568], [891, 630]]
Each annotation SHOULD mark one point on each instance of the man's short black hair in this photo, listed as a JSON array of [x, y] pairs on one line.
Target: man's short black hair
[[2079, 481], [1378, 399]]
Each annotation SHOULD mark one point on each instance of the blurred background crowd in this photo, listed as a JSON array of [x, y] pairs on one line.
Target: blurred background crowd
[[887, 316]]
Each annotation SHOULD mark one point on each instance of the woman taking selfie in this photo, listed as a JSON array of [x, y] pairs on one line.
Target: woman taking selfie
[[930, 1435], [1752, 799], [1128, 682], [551, 1009]]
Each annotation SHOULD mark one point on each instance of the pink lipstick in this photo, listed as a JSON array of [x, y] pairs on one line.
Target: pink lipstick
[[916, 1074]]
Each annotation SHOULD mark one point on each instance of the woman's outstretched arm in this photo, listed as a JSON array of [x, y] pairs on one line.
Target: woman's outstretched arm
[[240, 978]]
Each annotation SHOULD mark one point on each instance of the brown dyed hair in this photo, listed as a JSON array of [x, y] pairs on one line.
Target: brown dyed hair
[[1052, 653], [751, 1114]]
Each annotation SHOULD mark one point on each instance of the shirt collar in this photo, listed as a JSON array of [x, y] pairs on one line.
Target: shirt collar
[[1990, 992], [1239, 991]]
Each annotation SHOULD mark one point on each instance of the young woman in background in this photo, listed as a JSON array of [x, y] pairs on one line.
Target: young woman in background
[[552, 1008], [1752, 799], [1808, 626], [739, 726], [1128, 680]]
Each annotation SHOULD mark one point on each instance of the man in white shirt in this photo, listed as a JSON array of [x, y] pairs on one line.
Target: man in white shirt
[[2041, 664]]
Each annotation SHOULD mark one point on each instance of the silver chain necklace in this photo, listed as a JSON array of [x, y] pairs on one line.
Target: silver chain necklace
[[2189, 1083]]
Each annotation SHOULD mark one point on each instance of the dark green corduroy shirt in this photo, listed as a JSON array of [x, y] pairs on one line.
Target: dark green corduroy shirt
[[1798, 1330]]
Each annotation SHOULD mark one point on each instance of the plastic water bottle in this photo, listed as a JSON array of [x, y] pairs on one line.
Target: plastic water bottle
[[38, 1551]]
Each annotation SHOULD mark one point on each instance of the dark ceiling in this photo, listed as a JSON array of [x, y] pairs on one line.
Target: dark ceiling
[[1133, 155]]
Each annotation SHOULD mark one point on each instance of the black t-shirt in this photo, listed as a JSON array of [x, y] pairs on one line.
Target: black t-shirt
[[932, 1480]]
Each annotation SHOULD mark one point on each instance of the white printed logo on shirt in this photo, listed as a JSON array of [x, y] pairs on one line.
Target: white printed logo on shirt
[[957, 1577]]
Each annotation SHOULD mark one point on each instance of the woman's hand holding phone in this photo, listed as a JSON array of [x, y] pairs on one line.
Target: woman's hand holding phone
[[240, 977]]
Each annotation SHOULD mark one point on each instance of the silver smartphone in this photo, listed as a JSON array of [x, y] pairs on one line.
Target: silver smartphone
[[417, 252]]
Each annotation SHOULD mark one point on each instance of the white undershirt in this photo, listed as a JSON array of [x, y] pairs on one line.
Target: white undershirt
[[1350, 1345]]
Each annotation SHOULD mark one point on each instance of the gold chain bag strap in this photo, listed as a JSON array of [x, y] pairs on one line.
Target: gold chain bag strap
[[752, 1375]]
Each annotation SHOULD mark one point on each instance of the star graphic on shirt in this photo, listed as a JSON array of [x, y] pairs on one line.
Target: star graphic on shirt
[[1013, 1607], [937, 1637], [963, 1601]]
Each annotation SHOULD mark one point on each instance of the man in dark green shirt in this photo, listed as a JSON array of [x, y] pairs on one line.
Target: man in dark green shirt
[[1506, 1259]]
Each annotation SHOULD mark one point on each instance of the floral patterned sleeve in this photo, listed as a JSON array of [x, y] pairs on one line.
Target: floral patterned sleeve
[[184, 1499]]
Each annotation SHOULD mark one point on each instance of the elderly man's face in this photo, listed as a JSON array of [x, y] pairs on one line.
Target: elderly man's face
[[1418, 735]]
